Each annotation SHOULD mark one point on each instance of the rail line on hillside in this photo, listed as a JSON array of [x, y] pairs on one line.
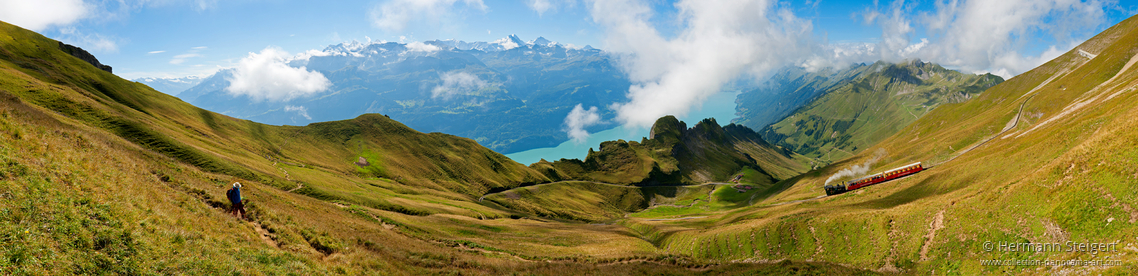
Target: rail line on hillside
[[1015, 123]]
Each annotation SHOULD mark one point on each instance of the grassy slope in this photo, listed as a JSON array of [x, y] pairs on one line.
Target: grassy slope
[[1071, 179], [789, 89], [863, 110], [98, 174]]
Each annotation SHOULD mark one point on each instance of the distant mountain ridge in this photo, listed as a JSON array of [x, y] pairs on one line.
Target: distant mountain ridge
[[171, 85], [832, 114], [787, 90], [509, 95]]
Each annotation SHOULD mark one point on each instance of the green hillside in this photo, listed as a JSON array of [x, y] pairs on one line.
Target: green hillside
[[1045, 157], [789, 89], [99, 175], [867, 104]]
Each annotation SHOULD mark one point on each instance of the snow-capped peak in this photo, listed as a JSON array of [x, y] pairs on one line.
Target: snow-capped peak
[[541, 41], [507, 43], [514, 38]]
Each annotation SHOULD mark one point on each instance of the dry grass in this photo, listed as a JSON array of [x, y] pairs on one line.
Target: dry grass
[[101, 175]]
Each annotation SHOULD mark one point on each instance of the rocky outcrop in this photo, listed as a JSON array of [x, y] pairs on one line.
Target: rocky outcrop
[[84, 55]]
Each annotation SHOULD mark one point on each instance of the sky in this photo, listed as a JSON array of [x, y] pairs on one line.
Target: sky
[[677, 53]]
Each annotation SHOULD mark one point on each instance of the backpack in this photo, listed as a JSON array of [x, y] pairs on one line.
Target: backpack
[[230, 194]]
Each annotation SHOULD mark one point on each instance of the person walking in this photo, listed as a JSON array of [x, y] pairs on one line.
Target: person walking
[[234, 195]]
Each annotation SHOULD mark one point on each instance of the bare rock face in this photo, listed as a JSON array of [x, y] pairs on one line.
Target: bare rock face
[[362, 162], [84, 55]]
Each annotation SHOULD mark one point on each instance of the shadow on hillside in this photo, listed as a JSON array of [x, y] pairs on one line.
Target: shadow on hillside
[[933, 185], [665, 191]]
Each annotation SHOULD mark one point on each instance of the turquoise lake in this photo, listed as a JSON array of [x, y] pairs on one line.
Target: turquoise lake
[[720, 106]]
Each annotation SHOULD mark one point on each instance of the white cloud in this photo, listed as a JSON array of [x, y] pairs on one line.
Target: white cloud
[[711, 43], [300, 110], [421, 47], [506, 43], [395, 15], [179, 59], [578, 119], [457, 83], [37, 15], [155, 52], [202, 5], [309, 54], [267, 76], [989, 36], [192, 53], [717, 42], [542, 6], [91, 42]]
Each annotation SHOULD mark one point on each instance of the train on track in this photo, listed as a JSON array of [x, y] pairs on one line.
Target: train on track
[[873, 179]]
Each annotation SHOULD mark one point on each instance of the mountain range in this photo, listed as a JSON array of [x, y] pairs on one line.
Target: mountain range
[[831, 114], [508, 95], [171, 85]]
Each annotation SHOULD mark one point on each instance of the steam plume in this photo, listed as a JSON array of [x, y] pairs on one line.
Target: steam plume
[[858, 170]]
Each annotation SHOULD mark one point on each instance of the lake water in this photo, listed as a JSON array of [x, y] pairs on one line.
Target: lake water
[[720, 106]]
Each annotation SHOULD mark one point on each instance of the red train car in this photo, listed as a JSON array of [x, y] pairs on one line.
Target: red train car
[[874, 179]]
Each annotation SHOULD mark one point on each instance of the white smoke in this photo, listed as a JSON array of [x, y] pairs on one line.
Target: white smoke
[[858, 170]]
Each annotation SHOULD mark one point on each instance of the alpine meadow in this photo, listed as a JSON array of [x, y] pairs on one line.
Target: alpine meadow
[[386, 156]]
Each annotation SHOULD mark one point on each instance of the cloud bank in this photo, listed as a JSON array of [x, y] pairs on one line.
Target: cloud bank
[[977, 35], [37, 15], [267, 76], [422, 47], [578, 119], [395, 15], [457, 83], [718, 41]]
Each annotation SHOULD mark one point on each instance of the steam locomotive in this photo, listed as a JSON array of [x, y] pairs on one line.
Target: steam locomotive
[[873, 179]]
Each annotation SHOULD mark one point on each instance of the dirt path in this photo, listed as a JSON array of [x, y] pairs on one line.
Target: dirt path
[[288, 177], [265, 235], [373, 216], [299, 185], [606, 184], [683, 218], [797, 201], [936, 224]]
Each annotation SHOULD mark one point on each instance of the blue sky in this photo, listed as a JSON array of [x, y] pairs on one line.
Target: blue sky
[[178, 38]]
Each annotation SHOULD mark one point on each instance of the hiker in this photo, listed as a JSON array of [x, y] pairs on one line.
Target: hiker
[[234, 195]]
